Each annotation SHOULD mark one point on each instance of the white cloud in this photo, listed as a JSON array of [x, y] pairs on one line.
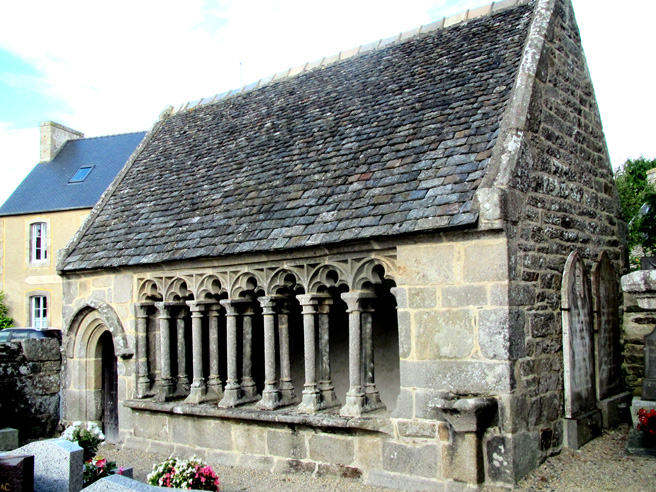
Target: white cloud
[[20, 149], [114, 66]]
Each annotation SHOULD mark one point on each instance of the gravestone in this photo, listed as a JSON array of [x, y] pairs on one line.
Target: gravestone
[[8, 439], [613, 399], [608, 358], [16, 473], [582, 419], [57, 465]]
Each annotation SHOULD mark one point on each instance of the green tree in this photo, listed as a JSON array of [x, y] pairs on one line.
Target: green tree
[[5, 321], [638, 202]]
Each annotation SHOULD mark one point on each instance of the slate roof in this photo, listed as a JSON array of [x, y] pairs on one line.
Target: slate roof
[[47, 189], [392, 141]]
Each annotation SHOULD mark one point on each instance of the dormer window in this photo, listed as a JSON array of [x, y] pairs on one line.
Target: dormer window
[[81, 174]]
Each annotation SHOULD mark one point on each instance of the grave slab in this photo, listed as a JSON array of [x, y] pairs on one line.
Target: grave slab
[[17, 473], [120, 483], [615, 410], [582, 429], [57, 465]]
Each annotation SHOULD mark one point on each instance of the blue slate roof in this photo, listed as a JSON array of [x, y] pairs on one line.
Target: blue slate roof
[[47, 187]]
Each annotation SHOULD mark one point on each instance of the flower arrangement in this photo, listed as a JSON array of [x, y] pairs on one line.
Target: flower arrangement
[[647, 422], [184, 474], [88, 437], [97, 468]]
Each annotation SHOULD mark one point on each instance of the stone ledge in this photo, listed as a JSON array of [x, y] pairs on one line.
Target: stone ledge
[[378, 422]]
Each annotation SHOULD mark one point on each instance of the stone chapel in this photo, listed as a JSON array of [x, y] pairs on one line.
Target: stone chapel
[[356, 266]]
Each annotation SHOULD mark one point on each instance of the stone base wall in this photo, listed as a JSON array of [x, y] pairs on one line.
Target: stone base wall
[[414, 460], [29, 385]]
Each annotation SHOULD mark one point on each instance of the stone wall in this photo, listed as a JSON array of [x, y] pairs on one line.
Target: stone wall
[[29, 385], [638, 323], [567, 202]]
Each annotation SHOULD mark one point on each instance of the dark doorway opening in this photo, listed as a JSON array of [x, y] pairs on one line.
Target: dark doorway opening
[[109, 388]]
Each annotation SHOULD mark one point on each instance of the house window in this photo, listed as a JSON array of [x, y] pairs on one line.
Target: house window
[[39, 311], [38, 242]]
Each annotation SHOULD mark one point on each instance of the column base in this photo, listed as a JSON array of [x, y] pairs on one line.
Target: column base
[[233, 396], [183, 383], [143, 389], [355, 405], [249, 390], [270, 399], [287, 394], [373, 402], [311, 402], [197, 394], [328, 397], [214, 389], [164, 391]]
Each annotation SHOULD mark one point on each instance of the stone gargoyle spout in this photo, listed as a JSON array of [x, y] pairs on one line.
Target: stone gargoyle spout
[[464, 413]]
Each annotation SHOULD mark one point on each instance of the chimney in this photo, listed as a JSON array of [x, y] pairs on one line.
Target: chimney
[[53, 137], [651, 177]]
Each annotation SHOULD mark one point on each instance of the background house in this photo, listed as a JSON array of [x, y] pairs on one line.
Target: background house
[[44, 212]]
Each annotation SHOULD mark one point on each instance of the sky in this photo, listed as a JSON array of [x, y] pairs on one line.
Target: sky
[[104, 68]]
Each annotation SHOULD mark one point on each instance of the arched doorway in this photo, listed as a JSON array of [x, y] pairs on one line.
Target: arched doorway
[[95, 344], [109, 387]]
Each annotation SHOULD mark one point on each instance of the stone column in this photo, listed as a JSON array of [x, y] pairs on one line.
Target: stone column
[[183, 379], [287, 393], [214, 388], [311, 402], [326, 388], [370, 391], [355, 397], [198, 390], [270, 396], [247, 384], [232, 395], [143, 381], [165, 386]]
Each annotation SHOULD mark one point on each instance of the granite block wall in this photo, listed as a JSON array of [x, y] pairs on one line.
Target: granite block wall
[[568, 202], [29, 385]]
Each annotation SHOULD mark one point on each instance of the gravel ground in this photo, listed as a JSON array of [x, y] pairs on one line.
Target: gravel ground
[[601, 465]]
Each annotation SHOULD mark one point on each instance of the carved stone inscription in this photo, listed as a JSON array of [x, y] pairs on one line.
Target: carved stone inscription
[[608, 358], [577, 339]]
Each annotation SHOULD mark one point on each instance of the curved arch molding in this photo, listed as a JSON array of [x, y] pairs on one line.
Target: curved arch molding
[[76, 327]]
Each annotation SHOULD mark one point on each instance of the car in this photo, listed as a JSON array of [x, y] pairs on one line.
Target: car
[[17, 334]]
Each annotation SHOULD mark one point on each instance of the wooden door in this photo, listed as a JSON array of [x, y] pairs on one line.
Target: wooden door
[[109, 388]]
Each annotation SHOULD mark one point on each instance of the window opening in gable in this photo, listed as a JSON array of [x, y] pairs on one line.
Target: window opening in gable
[[81, 174], [38, 242]]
